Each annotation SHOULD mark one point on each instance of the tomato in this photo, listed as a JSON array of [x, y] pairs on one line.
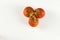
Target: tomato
[[27, 11], [39, 12], [33, 22]]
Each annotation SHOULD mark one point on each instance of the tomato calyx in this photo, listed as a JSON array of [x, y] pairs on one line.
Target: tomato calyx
[[33, 17], [29, 11], [36, 12], [31, 14]]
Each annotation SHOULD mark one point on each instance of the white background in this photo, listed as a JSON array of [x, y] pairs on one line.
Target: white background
[[14, 25]]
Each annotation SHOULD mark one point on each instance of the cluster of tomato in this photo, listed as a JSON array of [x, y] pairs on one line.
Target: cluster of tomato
[[33, 15]]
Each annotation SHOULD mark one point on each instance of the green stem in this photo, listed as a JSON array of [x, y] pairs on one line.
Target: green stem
[[34, 18]]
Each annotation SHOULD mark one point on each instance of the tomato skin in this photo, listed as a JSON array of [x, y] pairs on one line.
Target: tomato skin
[[26, 9], [32, 23], [42, 13]]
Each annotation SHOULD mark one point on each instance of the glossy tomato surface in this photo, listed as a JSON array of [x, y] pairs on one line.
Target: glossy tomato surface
[[27, 11], [39, 13], [32, 23]]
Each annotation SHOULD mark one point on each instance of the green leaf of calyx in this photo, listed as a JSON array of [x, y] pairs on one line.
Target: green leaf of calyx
[[38, 12], [34, 18], [30, 14], [35, 13], [29, 11]]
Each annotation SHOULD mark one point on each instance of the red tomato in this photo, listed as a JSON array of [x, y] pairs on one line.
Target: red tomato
[[27, 11], [33, 22], [39, 13]]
